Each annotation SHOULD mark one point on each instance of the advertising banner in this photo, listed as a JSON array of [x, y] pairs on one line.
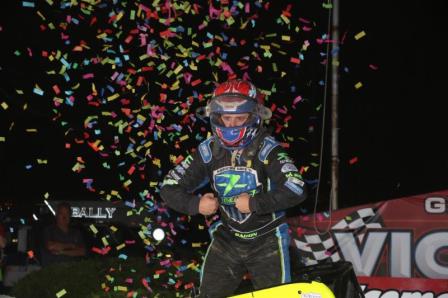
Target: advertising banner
[[403, 240], [390, 287]]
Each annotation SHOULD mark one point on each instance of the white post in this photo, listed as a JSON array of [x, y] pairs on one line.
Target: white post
[[334, 107]]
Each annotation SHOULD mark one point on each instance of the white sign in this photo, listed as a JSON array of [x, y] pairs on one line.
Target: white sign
[[93, 212]]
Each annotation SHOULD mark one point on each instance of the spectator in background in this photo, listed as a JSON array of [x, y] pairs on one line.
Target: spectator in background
[[62, 242], [2, 237], [3, 243]]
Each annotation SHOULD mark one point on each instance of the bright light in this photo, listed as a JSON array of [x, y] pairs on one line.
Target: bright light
[[49, 207], [35, 217], [158, 234]]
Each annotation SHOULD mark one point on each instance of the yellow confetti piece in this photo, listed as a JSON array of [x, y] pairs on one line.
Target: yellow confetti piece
[[4, 105], [178, 69], [120, 289], [2, 139], [119, 16], [93, 228], [141, 117], [286, 38], [196, 244], [184, 137], [127, 183], [121, 246], [142, 235], [105, 242], [285, 19], [61, 293], [113, 96], [31, 130], [157, 162], [175, 86], [147, 144], [41, 15], [113, 228], [230, 21], [360, 35], [102, 35], [358, 85]]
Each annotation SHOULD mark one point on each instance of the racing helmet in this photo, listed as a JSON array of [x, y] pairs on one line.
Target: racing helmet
[[236, 97]]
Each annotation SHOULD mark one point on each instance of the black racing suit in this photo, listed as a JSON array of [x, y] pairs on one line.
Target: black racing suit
[[256, 242]]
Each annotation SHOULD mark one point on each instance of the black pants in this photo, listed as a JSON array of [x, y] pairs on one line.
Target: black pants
[[266, 258]]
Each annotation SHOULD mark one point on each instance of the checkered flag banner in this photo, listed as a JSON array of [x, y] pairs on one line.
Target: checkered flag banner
[[319, 247]]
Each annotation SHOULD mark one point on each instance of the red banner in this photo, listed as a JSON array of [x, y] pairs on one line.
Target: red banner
[[401, 239], [389, 287]]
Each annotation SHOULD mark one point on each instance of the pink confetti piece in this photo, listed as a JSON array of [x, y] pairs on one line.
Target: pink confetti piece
[[353, 160]]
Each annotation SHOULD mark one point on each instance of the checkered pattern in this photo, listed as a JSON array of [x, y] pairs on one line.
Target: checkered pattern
[[319, 247]]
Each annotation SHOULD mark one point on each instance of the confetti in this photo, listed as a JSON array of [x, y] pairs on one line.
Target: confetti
[[28, 4], [127, 94], [61, 293], [360, 35], [353, 160]]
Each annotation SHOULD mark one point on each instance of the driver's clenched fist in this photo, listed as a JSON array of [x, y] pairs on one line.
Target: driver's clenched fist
[[208, 204]]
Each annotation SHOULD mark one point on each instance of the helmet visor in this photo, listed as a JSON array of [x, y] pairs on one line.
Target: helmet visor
[[232, 105]]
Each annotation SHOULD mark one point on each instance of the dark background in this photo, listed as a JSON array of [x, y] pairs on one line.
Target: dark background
[[394, 125]]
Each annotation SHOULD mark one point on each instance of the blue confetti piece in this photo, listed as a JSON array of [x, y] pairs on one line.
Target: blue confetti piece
[[38, 91], [130, 204], [28, 4]]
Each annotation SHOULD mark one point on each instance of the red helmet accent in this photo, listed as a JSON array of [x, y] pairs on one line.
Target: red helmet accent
[[238, 88], [238, 96]]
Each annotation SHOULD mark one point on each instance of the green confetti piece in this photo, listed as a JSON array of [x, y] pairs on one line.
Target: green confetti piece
[[328, 5], [61, 293]]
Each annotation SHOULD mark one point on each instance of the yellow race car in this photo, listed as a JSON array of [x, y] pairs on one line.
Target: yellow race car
[[312, 289]]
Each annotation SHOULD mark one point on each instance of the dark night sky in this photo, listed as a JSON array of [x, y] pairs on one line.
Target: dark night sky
[[394, 125]]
